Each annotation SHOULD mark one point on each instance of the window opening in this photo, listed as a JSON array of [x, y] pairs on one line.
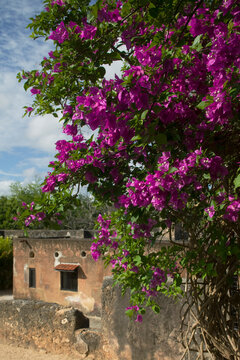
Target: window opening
[[69, 280], [32, 278]]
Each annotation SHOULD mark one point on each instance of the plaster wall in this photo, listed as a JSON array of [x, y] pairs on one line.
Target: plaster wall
[[158, 337], [48, 253]]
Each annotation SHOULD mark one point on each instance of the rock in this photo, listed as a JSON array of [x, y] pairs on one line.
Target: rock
[[81, 346]]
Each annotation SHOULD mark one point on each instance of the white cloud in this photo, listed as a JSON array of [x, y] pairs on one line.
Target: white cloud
[[5, 187], [39, 132], [8, 174], [29, 175], [113, 69], [11, 102], [43, 132], [18, 50], [38, 162]]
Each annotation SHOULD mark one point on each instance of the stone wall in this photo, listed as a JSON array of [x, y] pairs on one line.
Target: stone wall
[[41, 325], [46, 234], [156, 338], [65, 330]]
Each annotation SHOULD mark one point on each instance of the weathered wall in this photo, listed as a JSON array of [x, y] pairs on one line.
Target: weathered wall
[[69, 249], [41, 325], [156, 338], [65, 330], [43, 250]]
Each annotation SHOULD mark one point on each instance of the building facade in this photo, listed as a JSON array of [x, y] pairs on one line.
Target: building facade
[[57, 266]]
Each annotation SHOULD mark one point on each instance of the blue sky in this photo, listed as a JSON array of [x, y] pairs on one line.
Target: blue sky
[[26, 144]]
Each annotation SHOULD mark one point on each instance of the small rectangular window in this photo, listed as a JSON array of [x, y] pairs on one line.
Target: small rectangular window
[[32, 278], [69, 280]]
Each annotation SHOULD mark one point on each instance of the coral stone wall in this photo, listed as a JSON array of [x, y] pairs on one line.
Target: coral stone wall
[[44, 253], [52, 327]]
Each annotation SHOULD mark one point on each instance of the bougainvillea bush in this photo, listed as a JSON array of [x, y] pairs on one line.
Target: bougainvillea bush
[[164, 149]]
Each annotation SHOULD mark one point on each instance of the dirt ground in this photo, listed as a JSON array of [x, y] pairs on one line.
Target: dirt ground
[[10, 352]]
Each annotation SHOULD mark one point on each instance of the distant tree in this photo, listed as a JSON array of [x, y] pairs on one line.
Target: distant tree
[[8, 211], [82, 214], [20, 195], [6, 263], [26, 192]]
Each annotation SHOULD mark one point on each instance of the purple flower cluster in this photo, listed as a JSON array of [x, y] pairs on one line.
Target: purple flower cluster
[[232, 210], [158, 278], [58, 2], [60, 34], [169, 186], [135, 308], [106, 237], [202, 78]]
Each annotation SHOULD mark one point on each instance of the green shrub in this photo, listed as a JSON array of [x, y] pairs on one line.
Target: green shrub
[[6, 263]]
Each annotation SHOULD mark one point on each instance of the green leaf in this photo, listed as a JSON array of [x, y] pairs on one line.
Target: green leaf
[[38, 207], [237, 182], [129, 312], [203, 104], [134, 219], [137, 137], [137, 260], [26, 86], [156, 308], [172, 169], [60, 208], [144, 114], [126, 9], [207, 176], [178, 281], [95, 10], [197, 43]]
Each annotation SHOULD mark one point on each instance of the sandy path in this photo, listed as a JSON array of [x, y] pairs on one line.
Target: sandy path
[[10, 352]]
